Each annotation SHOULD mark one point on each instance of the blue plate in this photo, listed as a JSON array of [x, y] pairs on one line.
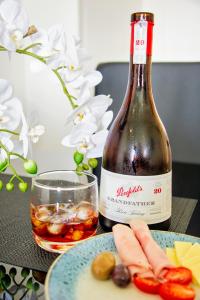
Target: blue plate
[[64, 273]]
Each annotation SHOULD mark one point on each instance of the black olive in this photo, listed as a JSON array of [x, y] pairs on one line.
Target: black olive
[[121, 276]]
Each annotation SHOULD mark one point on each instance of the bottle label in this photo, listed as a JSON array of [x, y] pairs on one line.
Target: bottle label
[[140, 42], [125, 197]]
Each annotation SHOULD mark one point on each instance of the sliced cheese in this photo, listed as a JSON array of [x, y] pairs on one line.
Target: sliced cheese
[[192, 251], [171, 254], [191, 262], [196, 273], [181, 248]]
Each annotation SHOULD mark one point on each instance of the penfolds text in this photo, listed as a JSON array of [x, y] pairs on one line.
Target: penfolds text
[[121, 192]]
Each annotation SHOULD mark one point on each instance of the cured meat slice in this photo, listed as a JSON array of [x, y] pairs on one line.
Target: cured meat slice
[[130, 251], [154, 253]]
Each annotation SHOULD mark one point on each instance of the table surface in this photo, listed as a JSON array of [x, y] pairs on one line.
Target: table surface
[[193, 229], [17, 205]]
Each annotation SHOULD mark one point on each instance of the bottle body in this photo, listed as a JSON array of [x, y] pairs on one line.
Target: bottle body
[[136, 165]]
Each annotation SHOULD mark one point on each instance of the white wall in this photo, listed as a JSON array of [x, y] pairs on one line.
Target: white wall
[[42, 92], [105, 28]]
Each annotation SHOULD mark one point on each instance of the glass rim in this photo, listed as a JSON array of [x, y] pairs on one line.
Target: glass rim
[[59, 188]]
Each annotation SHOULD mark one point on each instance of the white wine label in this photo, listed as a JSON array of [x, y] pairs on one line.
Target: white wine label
[[125, 197], [140, 42]]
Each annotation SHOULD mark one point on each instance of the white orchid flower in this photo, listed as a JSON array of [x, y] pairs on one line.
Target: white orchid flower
[[52, 41], [75, 58], [92, 78], [90, 144], [88, 126], [23, 136], [10, 109], [9, 146], [13, 23], [91, 111], [98, 139], [36, 132], [52, 48], [105, 121]]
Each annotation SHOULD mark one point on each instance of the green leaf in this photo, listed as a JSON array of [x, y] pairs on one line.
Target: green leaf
[[2, 271], [78, 157], [6, 281], [36, 286], [93, 163], [13, 272], [29, 283], [30, 166], [25, 272]]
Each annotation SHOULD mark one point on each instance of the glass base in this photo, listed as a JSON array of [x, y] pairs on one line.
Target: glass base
[[56, 247]]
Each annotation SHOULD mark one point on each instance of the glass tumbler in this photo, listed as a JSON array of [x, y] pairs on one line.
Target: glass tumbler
[[64, 208]]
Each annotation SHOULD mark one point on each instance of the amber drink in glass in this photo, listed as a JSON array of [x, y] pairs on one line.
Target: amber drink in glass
[[63, 209]]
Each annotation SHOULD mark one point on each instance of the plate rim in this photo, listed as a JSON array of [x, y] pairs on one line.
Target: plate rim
[[46, 283], [47, 279]]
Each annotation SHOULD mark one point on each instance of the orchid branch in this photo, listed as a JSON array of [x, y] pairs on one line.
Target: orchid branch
[[55, 71], [29, 166], [70, 97], [32, 46], [9, 131]]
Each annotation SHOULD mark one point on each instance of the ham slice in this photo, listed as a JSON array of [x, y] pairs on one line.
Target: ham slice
[[130, 251], [154, 253]]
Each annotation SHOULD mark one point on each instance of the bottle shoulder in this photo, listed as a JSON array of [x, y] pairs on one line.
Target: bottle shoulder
[[137, 148]]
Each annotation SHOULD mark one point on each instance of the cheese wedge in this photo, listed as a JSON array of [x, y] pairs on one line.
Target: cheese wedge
[[191, 262], [196, 273], [192, 251], [171, 254], [181, 248]]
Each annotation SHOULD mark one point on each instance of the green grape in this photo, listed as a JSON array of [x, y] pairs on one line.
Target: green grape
[[13, 272], [23, 186], [1, 185], [93, 163], [78, 157], [9, 186], [30, 166], [25, 272]]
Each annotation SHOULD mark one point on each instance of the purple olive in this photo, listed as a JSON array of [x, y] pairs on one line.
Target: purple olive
[[121, 276]]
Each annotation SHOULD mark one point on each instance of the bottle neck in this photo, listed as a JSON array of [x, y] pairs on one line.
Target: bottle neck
[[140, 54]]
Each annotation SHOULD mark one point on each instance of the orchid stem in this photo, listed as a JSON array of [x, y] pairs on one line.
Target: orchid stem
[[12, 178], [9, 131], [23, 51], [18, 155], [6, 150], [43, 60], [15, 173], [70, 97], [31, 46], [9, 164]]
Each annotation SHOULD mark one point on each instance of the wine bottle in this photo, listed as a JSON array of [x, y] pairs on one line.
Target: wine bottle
[[136, 167]]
